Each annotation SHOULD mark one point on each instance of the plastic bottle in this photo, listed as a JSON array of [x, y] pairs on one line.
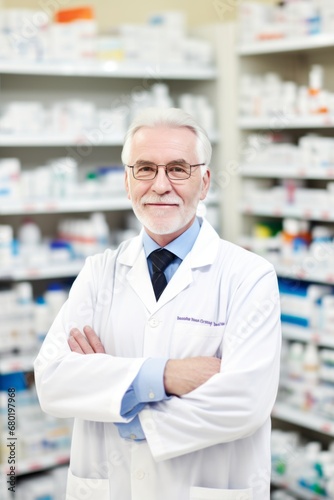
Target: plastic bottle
[[318, 97], [29, 234], [23, 316], [42, 320], [86, 238], [296, 356], [91, 184], [24, 298], [308, 475], [6, 242], [290, 231], [55, 296], [30, 239], [321, 247], [311, 364], [316, 77], [101, 230]]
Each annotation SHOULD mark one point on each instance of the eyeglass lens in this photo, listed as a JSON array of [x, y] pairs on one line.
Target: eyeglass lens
[[174, 170]]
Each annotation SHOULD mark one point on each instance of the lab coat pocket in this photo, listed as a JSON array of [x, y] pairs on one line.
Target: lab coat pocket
[[196, 339], [89, 489], [197, 493]]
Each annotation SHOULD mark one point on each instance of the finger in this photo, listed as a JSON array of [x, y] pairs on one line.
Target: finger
[[93, 339], [81, 341], [74, 346]]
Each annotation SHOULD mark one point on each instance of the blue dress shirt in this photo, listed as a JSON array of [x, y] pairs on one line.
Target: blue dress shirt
[[148, 386]]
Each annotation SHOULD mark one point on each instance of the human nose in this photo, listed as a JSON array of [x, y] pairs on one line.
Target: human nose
[[161, 182]]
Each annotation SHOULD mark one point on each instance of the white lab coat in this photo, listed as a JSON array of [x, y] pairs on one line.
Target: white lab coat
[[213, 443]]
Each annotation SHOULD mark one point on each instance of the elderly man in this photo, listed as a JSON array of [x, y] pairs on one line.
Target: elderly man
[[167, 351]]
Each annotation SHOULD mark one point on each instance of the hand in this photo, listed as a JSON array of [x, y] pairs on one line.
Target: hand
[[85, 344], [184, 375]]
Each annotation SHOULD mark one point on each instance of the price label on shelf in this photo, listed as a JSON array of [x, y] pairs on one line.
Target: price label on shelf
[[301, 172], [325, 215], [328, 121], [62, 460], [327, 428], [51, 207], [34, 467], [307, 213], [277, 212], [315, 337], [33, 272], [248, 209], [301, 274], [29, 208], [330, 172]]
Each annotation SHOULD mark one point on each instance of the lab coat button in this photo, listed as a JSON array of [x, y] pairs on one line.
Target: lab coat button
[[153, 322], [140, 474]]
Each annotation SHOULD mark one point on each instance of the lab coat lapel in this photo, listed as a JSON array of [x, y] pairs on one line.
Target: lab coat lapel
[[140, 280], [138, 277], [181, 279], [202, 254]]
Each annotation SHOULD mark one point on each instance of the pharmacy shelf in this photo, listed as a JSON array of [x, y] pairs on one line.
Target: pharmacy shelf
[[109, 69], [287, 172], [304, 269], [302, 493], [283, 411], [38, 464], [113, 202], [282, 122], [300, 334], [322, 390], [282, 210], [55, 140], [292, 44], [62, 270], [50, 140]]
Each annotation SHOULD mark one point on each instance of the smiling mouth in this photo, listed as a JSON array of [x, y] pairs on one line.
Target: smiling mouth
[[162, 204]]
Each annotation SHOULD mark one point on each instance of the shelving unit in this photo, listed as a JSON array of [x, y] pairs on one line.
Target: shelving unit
[[106, 84], [304, 419], [50, 140], [109, 69], [280, 122], [283, 172], [291, 58], [293, 44]]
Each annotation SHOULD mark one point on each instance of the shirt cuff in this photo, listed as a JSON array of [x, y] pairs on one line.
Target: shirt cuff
[[147, 387], [132, 430], [149, 382]]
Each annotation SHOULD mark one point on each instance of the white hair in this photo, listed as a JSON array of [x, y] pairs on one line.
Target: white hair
[[173, 118]]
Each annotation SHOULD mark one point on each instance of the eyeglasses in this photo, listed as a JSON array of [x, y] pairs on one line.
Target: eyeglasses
[[175, 170]]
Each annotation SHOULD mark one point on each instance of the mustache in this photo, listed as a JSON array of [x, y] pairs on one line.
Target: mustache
[[172, 200]]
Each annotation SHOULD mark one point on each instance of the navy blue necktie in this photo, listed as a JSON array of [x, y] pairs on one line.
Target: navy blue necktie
[[160, 259]]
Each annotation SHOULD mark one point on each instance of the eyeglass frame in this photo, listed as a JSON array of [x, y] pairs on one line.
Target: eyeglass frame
[[164, 165]]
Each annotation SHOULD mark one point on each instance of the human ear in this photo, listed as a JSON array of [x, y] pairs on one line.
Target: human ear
[[205, 184]]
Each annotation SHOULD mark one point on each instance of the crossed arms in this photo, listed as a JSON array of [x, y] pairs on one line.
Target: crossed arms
[[181, 376]]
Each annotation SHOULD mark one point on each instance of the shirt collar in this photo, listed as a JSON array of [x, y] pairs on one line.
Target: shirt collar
[[181, 246]]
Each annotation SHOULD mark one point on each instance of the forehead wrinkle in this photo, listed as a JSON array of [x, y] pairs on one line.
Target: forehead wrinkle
[[162, 144], [176, 160]]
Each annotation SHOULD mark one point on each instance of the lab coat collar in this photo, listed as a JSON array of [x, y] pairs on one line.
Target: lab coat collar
[[202, 254]]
